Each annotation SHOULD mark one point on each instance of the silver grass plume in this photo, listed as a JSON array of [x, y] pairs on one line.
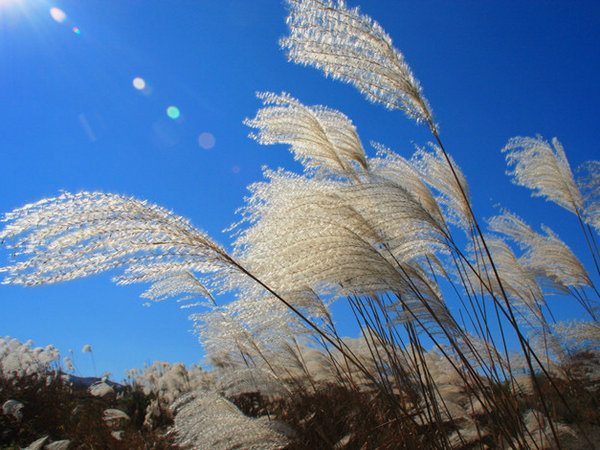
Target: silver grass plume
[[240, 379], [544, 169], [177, 283], [345, 239], [441, 173], [18, 359], [322, 139], [393, 167], [589, 183], [548, 256], [580, 335], [246, 331], [76, 235], [167, 382], [539, 433], [206, 420], [518, 280], [355, 49], [336, 238]]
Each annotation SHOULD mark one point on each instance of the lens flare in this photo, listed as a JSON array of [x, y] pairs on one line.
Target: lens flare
[[139, 84], [58, 14], [76, 30], [206, 140], [173, 112]]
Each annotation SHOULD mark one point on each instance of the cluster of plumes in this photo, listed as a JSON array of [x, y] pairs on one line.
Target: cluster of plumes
[[18, 359], [379, 213], [376, 231], [166, 383], [115, 419], [379, 233], [355, 49], [204, 418]]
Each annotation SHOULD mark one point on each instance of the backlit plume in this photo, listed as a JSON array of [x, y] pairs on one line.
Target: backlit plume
[[323, 139], [76, 235], [545, 169], [355, 49]]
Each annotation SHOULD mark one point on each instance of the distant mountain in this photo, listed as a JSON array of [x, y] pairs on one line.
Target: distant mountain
[[86, 382]]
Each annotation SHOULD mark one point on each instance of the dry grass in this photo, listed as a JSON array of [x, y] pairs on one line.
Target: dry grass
[[60, 411]]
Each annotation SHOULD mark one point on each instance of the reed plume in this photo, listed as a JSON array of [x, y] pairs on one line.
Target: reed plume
[[436, 312]]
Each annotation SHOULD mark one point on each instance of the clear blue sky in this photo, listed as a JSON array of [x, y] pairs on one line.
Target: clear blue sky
[[72, 120]]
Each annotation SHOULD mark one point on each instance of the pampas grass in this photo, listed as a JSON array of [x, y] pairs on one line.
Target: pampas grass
[[437, 297]]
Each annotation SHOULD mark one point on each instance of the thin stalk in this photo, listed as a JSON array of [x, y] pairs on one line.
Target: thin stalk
[[527, 351]]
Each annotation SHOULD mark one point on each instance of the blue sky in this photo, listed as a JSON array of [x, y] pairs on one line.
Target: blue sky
[[73, 120]]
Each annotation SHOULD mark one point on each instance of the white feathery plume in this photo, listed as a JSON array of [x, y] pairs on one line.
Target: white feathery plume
[[590, 186], [478, 352], [544, 168], [243, 379], [449, 390], [549, 343], [58, 445], [173, 283], [540, 432], [339, 239], [355, 49], [114, 417], [437, 173], [167, 382], [403, 225], [249, 334], [75, 235], [223, 337], [582, 338], [302, 233], [518, 281], [333, 237], [546, 255], [319, 365], [18, 359], [580, 334], [420, 301], [206, 420], [393, 167], [13, 408], [37, 444], [322, 139], [101, 389]]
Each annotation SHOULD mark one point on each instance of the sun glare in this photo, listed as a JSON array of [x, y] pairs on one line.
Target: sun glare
[[6, 4], [57, 14]]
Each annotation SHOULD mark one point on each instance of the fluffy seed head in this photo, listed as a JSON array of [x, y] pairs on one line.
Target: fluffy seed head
[[355, 49]]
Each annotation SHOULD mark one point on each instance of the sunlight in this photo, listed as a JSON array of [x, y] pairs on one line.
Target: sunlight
[[57, 14], [7, 5]]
